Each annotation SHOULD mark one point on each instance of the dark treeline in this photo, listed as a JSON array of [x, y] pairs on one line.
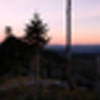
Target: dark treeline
[[18, 53], [23, 56]]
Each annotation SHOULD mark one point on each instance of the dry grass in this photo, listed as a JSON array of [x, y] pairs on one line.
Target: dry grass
[[38, 92]]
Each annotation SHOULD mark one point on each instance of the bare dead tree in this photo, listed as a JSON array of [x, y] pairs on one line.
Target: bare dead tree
[[68, 44]]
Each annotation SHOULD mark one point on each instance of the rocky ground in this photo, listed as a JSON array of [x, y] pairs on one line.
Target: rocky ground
[[53, 92]]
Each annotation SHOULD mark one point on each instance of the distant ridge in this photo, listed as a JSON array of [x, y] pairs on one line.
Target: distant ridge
[[76, 49]]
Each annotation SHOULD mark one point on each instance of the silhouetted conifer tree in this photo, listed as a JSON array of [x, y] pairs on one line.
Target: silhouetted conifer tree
[[36, 32]]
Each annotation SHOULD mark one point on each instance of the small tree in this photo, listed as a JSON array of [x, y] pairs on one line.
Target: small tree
[[36, 32]]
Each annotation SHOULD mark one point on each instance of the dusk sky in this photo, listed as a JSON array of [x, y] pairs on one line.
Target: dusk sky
[[85, 18]]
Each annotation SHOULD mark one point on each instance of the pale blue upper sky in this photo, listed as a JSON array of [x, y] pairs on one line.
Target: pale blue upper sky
[[85, 19]]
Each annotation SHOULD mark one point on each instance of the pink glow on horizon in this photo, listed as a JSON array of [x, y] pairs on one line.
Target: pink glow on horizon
[[85, 19], [77, 39]]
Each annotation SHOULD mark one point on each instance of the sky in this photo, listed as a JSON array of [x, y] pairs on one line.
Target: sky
[[85, 19]]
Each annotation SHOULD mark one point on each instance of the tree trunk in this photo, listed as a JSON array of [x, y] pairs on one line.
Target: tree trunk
[[35, 65], [68, 45], [38, 64]]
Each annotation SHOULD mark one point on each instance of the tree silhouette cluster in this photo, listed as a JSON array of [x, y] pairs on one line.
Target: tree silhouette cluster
[[16, 53], [21, 53]]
